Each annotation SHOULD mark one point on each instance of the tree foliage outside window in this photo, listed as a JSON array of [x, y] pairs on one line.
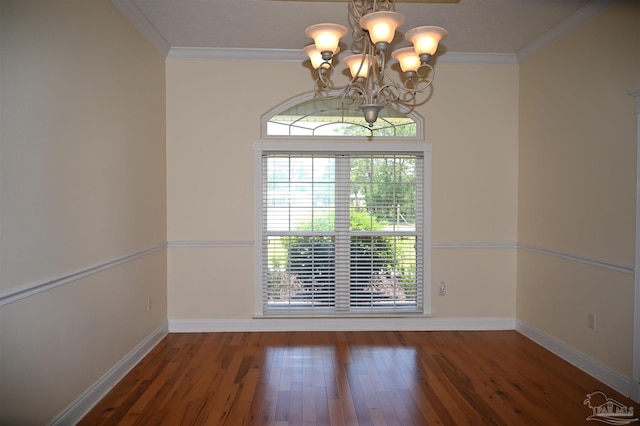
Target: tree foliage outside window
[[372, 262], [386, 187], [312, 260]]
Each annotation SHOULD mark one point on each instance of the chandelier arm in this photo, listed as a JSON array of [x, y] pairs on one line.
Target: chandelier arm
[[370, 96], [376, 73], [357, 10], [324, 88], [329, 92], [431, 71], [378, 5], [326, 92], [390, 93], [424, 81], [388, 5], [324, 82], [394, 95], [354, 92], [382, 62], [420, 84]]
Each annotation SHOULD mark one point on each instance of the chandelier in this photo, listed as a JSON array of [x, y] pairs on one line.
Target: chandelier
[[373, 24]]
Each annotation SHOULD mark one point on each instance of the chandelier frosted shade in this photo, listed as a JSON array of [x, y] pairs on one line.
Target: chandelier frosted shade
[[326, 37], [314, 56], [426, 39], [317, 61], [358, 65], [408, 59], [381, 26]]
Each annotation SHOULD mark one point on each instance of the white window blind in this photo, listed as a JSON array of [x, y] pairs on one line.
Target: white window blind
[[342, 233]]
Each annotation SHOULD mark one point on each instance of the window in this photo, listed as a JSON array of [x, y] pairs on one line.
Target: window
[[342, 232], [310, 116]]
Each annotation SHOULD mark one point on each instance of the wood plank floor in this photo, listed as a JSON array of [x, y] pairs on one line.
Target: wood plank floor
[[350, 378]]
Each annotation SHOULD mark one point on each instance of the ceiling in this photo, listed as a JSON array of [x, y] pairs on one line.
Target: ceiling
[[475, 26]]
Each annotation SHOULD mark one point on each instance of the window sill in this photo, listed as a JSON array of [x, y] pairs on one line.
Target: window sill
[[344, 316]]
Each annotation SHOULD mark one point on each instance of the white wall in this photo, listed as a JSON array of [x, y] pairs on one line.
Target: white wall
[[82, 200]]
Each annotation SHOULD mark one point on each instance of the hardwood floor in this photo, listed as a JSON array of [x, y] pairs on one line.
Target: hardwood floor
[[351, 378]]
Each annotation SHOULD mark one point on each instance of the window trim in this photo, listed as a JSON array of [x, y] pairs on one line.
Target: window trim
[[301, 145]]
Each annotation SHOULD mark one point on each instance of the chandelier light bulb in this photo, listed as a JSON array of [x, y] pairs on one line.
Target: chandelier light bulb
[[409, 61], [381, 26], [326, 38], [316, 57], [425, 39], [358, 65]]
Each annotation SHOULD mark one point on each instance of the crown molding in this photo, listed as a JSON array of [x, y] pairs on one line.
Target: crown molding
[[565, 27], [235, 54], [131, 11], [471, 58], [296, 55]]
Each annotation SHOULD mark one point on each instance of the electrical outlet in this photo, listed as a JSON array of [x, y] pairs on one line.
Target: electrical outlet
[[148, 303], [591, 321], [443, 288]]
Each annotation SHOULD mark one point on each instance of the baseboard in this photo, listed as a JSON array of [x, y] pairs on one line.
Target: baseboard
[[606, 375], [635, 390], [83, 404], [422, 323]]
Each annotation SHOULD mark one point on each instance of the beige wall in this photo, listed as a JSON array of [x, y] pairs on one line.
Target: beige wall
[[577, 183], [82, 182], [542, 154], [214, 111]]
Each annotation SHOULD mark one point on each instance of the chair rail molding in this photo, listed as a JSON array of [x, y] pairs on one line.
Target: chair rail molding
[[31, 289], [600, 263]]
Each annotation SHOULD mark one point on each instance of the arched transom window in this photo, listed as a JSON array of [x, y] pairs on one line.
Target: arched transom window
[[309, 116]]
